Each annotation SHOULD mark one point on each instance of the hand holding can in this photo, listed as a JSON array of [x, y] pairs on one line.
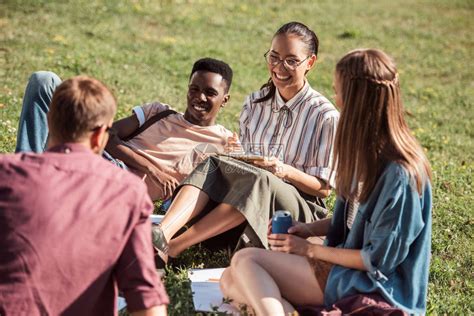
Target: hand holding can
[[281, 222]]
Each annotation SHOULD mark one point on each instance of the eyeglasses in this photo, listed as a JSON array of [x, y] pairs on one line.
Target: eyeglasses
[[288, 63], [108, 129]]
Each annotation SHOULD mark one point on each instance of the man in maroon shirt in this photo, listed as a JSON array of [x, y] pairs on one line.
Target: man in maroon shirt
[[74, 228]]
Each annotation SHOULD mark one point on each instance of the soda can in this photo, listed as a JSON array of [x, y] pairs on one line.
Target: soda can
[[281, 222]]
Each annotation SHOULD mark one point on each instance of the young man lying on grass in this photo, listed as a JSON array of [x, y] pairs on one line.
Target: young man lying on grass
[[168, 150]]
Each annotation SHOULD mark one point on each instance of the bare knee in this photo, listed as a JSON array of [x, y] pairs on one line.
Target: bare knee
[[244, 256], [226, 281]]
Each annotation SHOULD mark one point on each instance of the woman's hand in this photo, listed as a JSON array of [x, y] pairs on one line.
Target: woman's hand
[[233, 144], [275, 166], [302, 230], [302, 181], [289, 243], [168, 182]]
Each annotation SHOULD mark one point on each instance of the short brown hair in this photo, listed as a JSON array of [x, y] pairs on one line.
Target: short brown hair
[[79, 105], [372, 130]]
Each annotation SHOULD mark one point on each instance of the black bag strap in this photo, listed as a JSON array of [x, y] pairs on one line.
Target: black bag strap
[[155, 118]]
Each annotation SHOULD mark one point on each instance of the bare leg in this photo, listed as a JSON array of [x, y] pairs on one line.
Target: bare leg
[[230, 289], [265, 277], [222, 218], [189, 202]]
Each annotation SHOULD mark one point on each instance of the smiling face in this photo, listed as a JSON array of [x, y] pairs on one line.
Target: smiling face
[[207, 93], [290, 47]]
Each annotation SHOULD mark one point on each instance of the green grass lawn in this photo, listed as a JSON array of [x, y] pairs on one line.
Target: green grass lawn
[[144, 51]]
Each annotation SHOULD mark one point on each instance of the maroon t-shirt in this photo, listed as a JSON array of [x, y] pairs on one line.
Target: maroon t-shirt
[[73, 230]]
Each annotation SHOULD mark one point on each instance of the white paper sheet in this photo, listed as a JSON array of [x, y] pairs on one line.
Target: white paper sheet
[[156, 219], [121, 303], [206, 291]]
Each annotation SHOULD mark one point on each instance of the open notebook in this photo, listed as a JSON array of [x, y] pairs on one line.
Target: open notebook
[[206, 291]]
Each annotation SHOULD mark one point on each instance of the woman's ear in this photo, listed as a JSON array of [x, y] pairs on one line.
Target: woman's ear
[[311, 62], [225, 100]]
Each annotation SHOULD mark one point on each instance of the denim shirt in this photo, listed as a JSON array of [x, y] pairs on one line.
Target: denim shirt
[[393, 231]]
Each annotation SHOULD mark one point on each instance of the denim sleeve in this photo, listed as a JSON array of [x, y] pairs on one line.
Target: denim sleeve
[[395, 223], [335, 234]]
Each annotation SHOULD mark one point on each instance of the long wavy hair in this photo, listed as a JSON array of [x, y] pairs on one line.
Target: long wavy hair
[[372, 130], [306, 35]]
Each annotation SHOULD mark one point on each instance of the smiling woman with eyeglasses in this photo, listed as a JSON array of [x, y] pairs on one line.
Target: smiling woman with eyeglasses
[[286, 111], [288, 123]]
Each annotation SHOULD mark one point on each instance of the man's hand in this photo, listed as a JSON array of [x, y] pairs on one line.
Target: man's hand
[[275, 166], [168, 182], [289, 244]]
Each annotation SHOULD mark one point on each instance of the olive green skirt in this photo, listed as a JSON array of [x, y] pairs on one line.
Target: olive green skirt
[[255, 192]]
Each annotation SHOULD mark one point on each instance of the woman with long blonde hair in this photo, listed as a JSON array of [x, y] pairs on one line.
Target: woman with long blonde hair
[[379, 237]]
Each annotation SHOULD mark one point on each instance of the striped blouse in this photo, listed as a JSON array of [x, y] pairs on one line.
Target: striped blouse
[[299, 132]]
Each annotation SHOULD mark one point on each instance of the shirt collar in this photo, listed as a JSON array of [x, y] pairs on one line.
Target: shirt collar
[[68, 148], [279, 102]]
